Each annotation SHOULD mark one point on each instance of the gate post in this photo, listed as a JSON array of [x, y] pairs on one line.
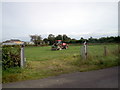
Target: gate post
[[22, 61], [85, 50]]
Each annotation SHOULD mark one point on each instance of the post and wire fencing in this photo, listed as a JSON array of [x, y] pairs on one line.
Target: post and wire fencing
[[98, 50]]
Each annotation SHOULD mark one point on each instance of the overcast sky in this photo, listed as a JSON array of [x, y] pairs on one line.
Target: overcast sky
[[75, 19]]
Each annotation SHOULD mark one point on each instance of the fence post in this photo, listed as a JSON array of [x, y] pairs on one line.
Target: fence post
[[84, 50], [22, 62], [105, 51]]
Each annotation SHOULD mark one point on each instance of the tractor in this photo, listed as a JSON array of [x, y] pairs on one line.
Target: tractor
[[59, 45]]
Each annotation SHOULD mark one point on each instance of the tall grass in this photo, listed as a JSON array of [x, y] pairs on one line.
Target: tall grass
[[96, 58]]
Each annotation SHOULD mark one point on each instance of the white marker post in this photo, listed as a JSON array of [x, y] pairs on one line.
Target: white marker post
[[22, 62], [85, 50]]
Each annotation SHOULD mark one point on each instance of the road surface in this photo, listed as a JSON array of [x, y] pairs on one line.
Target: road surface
[[104, 78]]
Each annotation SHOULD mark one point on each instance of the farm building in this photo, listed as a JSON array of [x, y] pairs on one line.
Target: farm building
[[12, 42], [29, 43]]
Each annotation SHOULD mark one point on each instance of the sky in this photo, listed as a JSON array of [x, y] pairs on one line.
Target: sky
[[75, 19]]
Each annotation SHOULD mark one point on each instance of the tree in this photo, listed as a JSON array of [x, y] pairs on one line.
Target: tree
[[66, 38], [51, 39], [37, 39], [92, 40], [59, 37], [46, 41], [102, 39], [82, 40], [73, 40], [63, 37], [117, 39]]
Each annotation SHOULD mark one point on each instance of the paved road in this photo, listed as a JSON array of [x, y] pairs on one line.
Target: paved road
[[104, 78]]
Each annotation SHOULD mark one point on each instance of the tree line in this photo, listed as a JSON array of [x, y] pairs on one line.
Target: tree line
[[38, 40]]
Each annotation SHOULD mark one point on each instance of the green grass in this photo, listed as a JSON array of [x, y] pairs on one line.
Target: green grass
[[44, 53], [42, 62]]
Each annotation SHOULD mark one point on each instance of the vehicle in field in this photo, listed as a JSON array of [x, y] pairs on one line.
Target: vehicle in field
[[59, 45]]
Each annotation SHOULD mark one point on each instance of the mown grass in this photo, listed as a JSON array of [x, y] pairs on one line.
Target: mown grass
[[45, 53], [42, 62]]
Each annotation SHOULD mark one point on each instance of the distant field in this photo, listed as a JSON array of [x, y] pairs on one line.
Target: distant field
[[42, 62], [45, 53]]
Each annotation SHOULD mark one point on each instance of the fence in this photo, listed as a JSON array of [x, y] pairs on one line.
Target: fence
[[100, 50]]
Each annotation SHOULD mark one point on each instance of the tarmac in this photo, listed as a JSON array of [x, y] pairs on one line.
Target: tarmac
[[103, 78]]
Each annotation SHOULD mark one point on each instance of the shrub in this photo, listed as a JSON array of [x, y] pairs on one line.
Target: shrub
[[10, 56]]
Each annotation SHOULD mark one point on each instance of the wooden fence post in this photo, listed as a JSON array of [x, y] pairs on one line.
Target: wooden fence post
[[22, 62], [84, 50], [105, 51]]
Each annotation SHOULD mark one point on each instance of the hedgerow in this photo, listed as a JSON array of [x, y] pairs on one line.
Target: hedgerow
[[10, 56]]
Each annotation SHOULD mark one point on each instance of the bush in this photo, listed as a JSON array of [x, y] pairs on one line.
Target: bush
[[10, 56]]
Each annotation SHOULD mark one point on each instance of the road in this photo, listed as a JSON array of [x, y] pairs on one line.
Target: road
[[103, 78]]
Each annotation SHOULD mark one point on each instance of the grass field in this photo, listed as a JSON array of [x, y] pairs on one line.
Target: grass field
[[41, 62]]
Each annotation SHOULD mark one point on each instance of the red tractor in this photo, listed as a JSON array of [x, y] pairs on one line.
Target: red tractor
[[59, 45]]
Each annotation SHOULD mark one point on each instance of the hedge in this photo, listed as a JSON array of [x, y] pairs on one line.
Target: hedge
[[10, 56]]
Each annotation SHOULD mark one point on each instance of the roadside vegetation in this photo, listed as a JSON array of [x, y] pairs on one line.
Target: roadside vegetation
[[0, 65], [41, 62]]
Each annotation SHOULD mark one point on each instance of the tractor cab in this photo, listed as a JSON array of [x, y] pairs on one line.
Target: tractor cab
[[59, 45], [58, 41]]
